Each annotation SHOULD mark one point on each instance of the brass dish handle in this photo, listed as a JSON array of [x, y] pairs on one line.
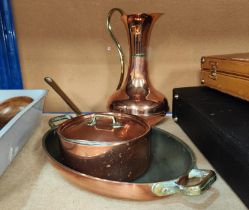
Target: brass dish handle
[[52, 121], [207, 178], [120, 51]]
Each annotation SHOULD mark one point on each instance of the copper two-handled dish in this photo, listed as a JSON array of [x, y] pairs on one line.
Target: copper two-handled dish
[[172, 167]]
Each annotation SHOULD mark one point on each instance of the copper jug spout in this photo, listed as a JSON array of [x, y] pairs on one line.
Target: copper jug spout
[[136, 95]]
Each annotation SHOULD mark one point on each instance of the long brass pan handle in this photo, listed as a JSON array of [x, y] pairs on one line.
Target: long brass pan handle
[[207, 178], [120, 51], [61, 93]]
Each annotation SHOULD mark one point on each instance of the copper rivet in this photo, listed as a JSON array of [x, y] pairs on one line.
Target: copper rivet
[[202, 60], [202, 81]]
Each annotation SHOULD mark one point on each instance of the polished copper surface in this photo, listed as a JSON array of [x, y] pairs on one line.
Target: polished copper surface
[[173, 165], [98, 147], [136, 95], [10, 107]]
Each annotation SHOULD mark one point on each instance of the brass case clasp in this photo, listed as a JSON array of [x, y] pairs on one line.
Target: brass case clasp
[[213, 70]]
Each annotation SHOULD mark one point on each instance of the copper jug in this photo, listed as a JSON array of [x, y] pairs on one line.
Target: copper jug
[[136, 95]]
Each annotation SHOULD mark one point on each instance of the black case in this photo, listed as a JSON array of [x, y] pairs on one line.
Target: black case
[[219, 126]]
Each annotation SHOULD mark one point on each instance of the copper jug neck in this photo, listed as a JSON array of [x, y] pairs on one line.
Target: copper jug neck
[[138, 27]]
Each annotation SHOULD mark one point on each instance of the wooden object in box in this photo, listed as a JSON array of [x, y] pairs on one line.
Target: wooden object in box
[[227, 73]]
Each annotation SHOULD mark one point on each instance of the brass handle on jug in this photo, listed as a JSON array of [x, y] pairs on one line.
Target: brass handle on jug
[[120, 51]]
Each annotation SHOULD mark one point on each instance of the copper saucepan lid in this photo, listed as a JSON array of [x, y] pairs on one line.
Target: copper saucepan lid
[[103, 129]]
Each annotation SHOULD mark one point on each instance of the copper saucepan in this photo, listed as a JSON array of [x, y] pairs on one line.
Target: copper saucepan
[[112, 146]]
